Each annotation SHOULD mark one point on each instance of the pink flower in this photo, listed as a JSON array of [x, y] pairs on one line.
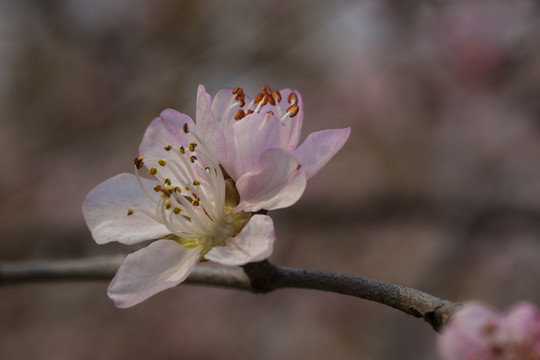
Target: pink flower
[[256, 142], [187, 204], [477, 332]]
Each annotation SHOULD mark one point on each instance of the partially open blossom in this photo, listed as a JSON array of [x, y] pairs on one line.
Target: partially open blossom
[[477, 332], [187, 204], [256, 141]]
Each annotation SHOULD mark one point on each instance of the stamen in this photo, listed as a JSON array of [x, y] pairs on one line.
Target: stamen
[[258, 98], [195, 202], [186, 128], [167, 204], [168, 147], [293, 110], [276, 96], [130, 212], [192, 146], [162, 162], [293, 99], [177, 210], [157, 188], [236, 90], [266, 90], [239, 115], [139, 163], [153, 171], [167, 181], [182, 150], [196, 182], [193, 158]]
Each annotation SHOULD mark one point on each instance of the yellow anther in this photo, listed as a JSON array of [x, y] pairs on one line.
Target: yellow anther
[[193, 158], [168, 147], [162, 162], [167, 205], [196, 182], [138, 162], [186, 128], [178, 189], [207, 168], [153, 171], [177, 210], [167, 181], [157, 188], [195, 202], [192, 146], [182, 150], [162, 195], [171, 188], [130, 212]]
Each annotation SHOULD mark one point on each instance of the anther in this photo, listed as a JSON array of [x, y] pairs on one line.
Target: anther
[[240, 114], [153, 171], [241, 102], [195, 202], [207, 168], [192, 146], [168, 147], [186, 128], [162, 162], [193, 158], [196, 182], [293, 99], [177, 210], [157, 188], [249, 112], [293, 110], [167, 181], [236, 90], [178, 189], [270, 112], [265, 100], [266, 90], [130, 212], [182, 150], [258, 98], [138, 162], [167, 205], [276, 96], [165, 192], [271, 100]]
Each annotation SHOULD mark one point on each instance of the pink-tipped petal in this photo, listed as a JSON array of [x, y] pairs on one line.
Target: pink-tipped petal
[[208, 129], [106, 207], [277, 181], [250, 137], [167, 129], [319, 147], [254, 243], [159, 266]]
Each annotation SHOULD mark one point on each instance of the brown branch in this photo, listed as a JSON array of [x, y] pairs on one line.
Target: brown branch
[[260, 277]]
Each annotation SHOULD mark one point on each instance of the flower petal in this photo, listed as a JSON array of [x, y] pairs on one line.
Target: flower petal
[[167, 129], [277, 181], [159, 266], [208, 129], [319, 147], [250, 137], [105, 211], [254, 243]]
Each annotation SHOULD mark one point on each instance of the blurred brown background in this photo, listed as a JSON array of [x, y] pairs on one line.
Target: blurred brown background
[[438, 187]]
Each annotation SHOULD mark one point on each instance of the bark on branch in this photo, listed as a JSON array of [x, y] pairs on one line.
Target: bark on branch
[[260, 277]]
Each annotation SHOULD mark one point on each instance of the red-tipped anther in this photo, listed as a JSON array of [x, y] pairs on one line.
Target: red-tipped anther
[[293, 110], [292, 99], [139, 163], [236, 90], [265, 100], [270, 112], [241, 102], [249, 112], [276, 96], [266, 90], [186, 128], [258, 98], [240, 114]]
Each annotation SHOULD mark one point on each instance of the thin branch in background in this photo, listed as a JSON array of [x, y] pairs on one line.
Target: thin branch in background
[[259, 277]]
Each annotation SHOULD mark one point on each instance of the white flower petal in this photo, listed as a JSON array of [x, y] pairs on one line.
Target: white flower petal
[[254, 243], [106, 206], [250, 137], [159, 266], [277, 181], [319, 147]]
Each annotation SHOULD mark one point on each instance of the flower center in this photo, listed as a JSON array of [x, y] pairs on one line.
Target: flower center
[[190, 197]]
